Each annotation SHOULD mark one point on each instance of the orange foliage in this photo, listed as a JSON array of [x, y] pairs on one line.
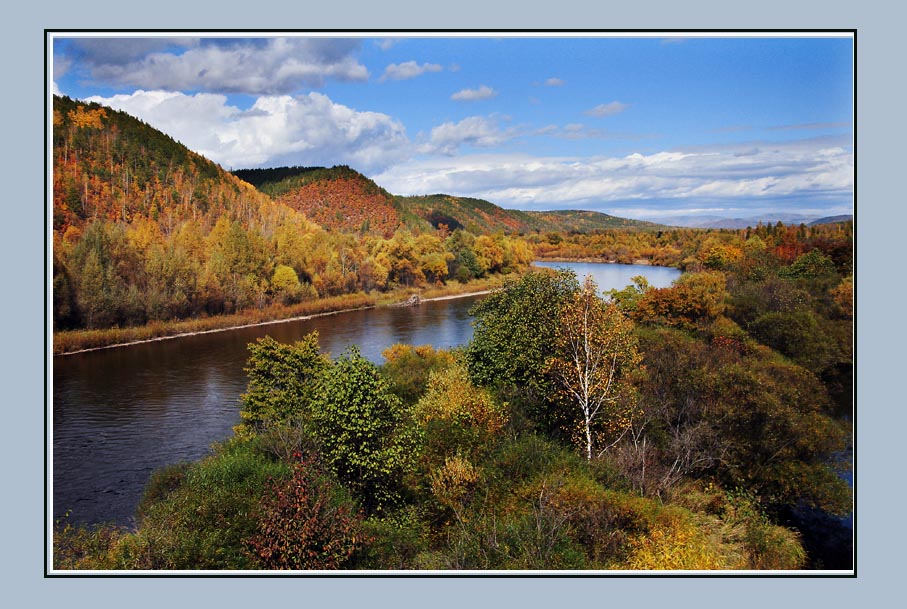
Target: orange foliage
[[344, 204]]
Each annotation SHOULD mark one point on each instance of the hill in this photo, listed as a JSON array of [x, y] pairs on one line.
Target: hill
[[337, 198], [579, 221], [832, 219], [342, 199], [109, 165]]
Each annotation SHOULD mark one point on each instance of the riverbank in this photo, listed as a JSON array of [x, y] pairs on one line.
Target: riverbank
[[71, 342], [599, 260]]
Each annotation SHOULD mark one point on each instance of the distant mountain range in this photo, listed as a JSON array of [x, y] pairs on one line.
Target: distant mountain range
[[735, 223]]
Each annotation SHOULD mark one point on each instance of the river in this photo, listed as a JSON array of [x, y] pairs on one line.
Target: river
[[118, 414]]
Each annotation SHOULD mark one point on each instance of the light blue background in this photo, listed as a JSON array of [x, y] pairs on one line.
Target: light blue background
[[880, 224]]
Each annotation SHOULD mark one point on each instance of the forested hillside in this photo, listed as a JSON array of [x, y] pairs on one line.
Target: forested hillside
[[579, 221], [109, 166], [145, 230], [337, 198], [341, 198]]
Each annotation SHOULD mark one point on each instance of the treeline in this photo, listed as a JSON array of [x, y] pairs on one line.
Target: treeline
[[692, 248], [122, 274], [672, 428]]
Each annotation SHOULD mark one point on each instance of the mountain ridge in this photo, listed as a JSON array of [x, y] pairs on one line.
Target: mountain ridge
[[307, 190]]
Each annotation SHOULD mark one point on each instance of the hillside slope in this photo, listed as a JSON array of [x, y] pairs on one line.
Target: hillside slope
[[109, 165], [342, 199]]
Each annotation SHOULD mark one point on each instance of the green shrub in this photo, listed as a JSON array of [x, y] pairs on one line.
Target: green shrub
[[204, 521], [399, 540], [363, 430], [407, 369]]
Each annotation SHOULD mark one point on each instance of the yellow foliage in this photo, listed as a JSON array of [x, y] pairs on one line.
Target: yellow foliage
[[674, 543], [81, 117], [453, 482], [452, 397], [843, 296]]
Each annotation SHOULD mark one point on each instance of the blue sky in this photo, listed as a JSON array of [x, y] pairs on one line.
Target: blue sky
[[644, 127]]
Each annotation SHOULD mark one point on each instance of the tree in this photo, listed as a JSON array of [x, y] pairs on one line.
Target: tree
[[361, 427], [813, 264], [695, 298], [596, 352], [515, 336], [282, 383], [285, 283], [627, 298]]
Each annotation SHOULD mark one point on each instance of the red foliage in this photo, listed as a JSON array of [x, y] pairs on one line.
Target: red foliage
[[344, 204], [300, 527]]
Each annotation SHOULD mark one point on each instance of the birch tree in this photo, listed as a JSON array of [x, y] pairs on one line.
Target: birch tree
[[596, 351]]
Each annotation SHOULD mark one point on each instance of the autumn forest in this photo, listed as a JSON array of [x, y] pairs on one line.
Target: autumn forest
[[701, 426]]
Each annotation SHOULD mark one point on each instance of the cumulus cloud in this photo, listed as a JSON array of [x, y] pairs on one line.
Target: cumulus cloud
[[476, 131], [257, 66], [277, 130], [806, 172], [555, 82], [610, 109], [483, 92], [407, 70]]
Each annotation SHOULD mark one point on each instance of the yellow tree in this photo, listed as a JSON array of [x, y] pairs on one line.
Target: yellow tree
[[595, 354]]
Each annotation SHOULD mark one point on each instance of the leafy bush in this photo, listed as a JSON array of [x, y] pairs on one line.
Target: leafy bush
[[86, 548], [398, 540], [282, 383], [363, 430], [305, 523], [674, 542], [204, 521], [407, 368], [456, 416]]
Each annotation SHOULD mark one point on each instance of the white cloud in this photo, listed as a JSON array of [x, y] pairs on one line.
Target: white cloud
[[802, 172], [609, 109], [477, 131], [263, 66], [483, 92], [277, 130], [555, 82], [407, 70]]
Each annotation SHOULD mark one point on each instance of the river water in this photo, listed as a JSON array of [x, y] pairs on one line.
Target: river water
[[119, 414]]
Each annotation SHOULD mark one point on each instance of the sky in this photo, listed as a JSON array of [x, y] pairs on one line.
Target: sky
[[654, 127]]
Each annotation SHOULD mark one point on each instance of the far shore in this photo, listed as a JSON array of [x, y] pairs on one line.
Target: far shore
[[399, 302], [71, 343]]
